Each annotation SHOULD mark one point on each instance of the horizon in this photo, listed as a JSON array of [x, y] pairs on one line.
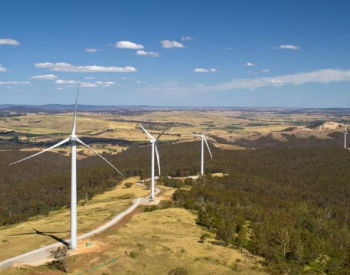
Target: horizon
[[169, 106]]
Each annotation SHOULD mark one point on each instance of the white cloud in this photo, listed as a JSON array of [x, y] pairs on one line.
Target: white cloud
[[65, 67], [265, 71], [138, 81], [61, 81], [9, 41], [248, 64], [69, 83], [2, 69], [45, 77], [128, 45], [171, 44], [201, 70], [153, 54], [89, 77], [253, 73], [184, 38], [91, 50], [230, 48], [321, 76], [287, 47], [14, 82], [127, 78]]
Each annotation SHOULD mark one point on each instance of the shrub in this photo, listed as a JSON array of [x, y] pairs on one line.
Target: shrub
[[178, 271], [204, 237], [128, 185], [61, 259], [133, 255]]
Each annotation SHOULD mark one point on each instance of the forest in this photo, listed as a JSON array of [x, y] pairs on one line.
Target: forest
[[288, 205]]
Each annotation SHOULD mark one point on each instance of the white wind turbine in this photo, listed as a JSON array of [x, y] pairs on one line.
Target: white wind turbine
[[345, 133], [73, 139], [203, 139], [154, 142]]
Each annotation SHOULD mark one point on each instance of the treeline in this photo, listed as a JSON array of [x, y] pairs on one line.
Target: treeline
[[42, 184], [290, 206]]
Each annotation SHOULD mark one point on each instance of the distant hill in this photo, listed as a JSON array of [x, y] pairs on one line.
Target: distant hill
[[22, 109]]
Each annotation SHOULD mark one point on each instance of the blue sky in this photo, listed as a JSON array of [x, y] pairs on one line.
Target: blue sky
[[176, 53]]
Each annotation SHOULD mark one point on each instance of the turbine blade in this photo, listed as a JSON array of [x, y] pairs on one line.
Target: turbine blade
[[75, 111], [87, 146], [148, 134], [157, 155], [48, 149], [208, 147], [195, 135], [206, 131], [162, 133]]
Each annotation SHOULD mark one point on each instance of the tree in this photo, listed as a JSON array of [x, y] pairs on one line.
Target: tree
[[61, 258], [225, 232], [241, 238]]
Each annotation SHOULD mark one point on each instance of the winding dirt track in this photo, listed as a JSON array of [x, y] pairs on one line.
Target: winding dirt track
[[44, 252]]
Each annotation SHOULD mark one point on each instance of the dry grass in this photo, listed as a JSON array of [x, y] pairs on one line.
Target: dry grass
[[21, 238], [166, 239], [228, 146], [159, 241]]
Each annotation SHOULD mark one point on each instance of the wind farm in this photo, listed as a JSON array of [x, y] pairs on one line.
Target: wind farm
[[174, 138]]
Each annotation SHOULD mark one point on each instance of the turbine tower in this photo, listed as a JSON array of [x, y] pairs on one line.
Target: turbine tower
[[73, 139], [345, 133], [203, 139], [154, 142]]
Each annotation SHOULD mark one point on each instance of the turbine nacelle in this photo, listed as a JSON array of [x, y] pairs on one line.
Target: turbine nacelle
[[73, 137]]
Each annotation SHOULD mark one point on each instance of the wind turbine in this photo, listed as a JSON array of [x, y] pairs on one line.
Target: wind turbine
[[345, 133], [154, 142], [73, 139], [203, 139]]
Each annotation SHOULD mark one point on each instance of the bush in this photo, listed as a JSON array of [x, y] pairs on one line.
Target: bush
[[133, 255], [128, 185], [178, 271], [204, 237], [61, 259]]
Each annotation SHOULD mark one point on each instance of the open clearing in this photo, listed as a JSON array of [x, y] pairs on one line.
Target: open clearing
[[157, 242], [41, 231]]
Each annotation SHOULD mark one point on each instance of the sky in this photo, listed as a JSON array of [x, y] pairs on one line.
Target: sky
[[273, 53]]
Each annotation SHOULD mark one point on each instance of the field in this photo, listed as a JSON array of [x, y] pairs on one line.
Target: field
[[112, 133]]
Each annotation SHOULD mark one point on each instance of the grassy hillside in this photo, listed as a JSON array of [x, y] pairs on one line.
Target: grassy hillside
[[158, 242]]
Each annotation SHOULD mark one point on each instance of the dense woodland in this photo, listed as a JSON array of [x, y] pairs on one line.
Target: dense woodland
[[289, 205]]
